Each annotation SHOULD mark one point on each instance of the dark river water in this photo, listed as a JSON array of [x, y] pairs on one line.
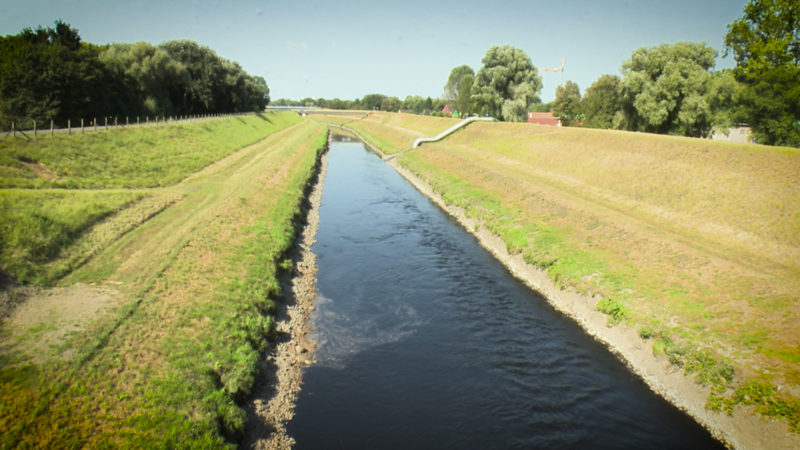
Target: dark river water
[[426, 341]]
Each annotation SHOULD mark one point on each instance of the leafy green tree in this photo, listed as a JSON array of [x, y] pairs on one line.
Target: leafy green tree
[[601, 102], [337, 103], [463, 101], [765, 42], [726, 97], [51, 74], [567, 103], [428, 105], [507, 84], [216, 84], [456, 83], [664, 89], [414, 103], [390, 104], [153, 77], [372, 101]]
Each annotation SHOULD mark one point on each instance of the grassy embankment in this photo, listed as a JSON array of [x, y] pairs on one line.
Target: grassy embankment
[[192, 266], [390, 132], [695, 244]]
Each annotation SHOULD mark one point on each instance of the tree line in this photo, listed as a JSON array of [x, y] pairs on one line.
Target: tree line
[[668, 89], [51, 74], [373, 102]]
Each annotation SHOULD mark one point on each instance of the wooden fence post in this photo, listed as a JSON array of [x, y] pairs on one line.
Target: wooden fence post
[[105, 122], [115, 121], [34, 127], [95, 124], [69, 126], [82, 125], [52, 131], [13, 129]]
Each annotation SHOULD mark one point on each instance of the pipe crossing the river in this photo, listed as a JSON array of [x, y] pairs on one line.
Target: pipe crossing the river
[[451, 130]]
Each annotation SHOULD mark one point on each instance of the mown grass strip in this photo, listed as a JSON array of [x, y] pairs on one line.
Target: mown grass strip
[[130, 157], [36, 225], [172, 367]]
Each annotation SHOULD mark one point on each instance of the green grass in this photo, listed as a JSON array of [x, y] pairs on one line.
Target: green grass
[[132, 157], [36, 225], [174, 363]]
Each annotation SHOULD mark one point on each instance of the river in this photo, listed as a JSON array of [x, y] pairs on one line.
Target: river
[[426, 341]]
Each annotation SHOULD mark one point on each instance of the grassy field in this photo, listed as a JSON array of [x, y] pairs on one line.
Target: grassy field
[[694, 243], [37, 224], [391, 132], [130, 157], [190, 272]]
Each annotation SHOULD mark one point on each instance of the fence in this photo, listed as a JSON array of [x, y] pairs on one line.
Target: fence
[[82, 126]]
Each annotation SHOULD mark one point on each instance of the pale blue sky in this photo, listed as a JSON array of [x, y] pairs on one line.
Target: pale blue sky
[[347, 49]]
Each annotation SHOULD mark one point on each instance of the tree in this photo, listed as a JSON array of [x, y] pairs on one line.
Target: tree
[[765, 42], [507, 84], [50, 74], [455, 82], [567, 104], [664, 89], [601, 102], [414, 103], [372, 101], [390, 104], [152, 76], [463, 100]]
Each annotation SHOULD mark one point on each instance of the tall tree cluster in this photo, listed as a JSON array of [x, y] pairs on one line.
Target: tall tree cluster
[[765, 42], [668, 88], [507, 86], [51, 74]]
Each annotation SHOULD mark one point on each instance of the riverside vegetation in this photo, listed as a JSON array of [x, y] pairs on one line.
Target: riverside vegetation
[[178, 232], [693, 243]]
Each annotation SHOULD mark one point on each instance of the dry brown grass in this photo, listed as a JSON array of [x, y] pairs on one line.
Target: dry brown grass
[[698, 240]]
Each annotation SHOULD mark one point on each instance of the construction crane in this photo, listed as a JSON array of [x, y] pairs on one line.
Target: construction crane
[[556, 69]]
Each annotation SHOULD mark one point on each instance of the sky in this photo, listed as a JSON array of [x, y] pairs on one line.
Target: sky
[[347, 49]]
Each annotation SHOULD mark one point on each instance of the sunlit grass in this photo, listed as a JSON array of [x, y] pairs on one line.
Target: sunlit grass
[[131, 157], [35, 225], [173, 365], [688, 241]]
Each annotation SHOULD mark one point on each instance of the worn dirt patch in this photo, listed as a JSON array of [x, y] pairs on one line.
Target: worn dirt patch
[[40, 170], [44, 318]]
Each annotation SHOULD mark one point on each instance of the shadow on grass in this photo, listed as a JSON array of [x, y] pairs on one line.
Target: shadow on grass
[[263, 117]]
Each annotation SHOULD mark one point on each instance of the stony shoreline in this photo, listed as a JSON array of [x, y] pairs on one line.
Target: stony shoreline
[[273, 406]]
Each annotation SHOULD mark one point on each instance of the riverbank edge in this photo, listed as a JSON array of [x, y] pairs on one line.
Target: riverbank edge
[[742, 430], [272, 405]]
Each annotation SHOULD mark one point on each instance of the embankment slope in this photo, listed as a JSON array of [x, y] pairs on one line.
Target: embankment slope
[[691, 246], [169, 357]]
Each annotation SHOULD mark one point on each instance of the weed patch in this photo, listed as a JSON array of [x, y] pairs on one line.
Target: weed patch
[[617, 312]]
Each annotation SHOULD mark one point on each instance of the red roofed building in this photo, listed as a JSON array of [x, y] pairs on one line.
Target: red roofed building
[[446, 110], [543, 118]]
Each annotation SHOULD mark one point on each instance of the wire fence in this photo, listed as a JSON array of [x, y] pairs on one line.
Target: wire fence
[[33, 129]]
